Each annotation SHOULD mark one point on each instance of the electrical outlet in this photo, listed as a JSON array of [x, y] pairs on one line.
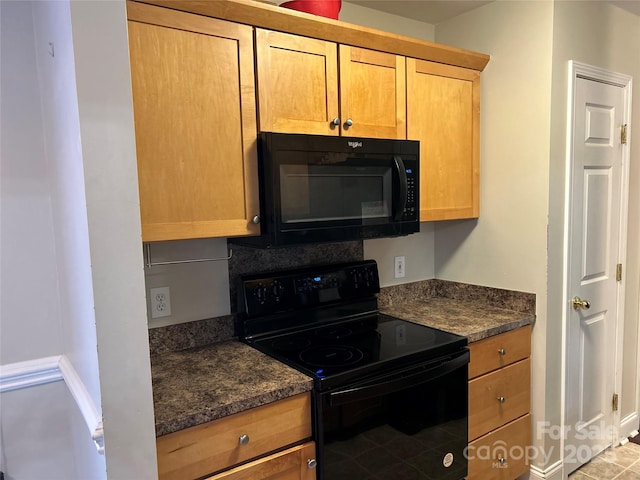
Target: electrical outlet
[[399, 267], [160, 302]]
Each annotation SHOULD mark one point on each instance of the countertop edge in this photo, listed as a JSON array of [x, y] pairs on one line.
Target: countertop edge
[[183, 423]]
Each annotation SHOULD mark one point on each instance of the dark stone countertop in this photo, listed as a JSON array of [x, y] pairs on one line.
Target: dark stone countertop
[[201, 384], [204, 383], [475, 321]]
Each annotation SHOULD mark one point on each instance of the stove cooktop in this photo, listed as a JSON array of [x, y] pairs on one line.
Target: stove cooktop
[[323, 321], [355, 348]]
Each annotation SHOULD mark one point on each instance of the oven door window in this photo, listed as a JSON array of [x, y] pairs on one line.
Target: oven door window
[[417, 433], [335, 193]]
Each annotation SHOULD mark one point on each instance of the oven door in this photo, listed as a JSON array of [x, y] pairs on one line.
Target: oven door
[[408, 424]]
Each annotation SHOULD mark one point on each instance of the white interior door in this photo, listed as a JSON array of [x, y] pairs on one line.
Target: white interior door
[[594, 252]]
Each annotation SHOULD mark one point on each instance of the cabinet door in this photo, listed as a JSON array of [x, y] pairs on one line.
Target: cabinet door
[[503, 453], [216, 445], [297, 463], [195, 121], [499, 397], [372, 93], [443, 112], [297, 83]]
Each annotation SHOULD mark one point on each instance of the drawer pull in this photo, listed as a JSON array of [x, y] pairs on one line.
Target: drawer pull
[[311, 463], [244, 439], [502, 351], [501, 460], [502, 399]]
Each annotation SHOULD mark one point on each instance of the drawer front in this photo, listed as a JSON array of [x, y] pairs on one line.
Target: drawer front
[[496, 352], [214, 446], [508, 443], [292, 464], [499, 397]]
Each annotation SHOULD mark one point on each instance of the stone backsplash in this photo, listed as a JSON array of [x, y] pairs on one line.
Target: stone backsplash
[[246, 260]]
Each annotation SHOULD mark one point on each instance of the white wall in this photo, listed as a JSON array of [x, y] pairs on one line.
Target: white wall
[[35, 436], [101, 54], [27, 242], [72, 261], [368, 17]]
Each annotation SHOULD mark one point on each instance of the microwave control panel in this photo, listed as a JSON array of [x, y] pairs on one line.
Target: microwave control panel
[[411, 208]]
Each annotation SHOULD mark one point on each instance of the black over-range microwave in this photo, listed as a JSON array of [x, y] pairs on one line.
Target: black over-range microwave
[[316, 188]]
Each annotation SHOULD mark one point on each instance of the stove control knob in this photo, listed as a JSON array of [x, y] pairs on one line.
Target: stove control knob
[[277, 289], [311, 463], [260, 293], [243, 439]]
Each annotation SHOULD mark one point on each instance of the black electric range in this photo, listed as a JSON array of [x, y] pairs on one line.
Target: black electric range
[[371, 371]]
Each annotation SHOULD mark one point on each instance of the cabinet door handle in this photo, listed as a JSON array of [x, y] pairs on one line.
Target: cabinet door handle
[[348, 123], [311, 463], [335, 122], [256, 219], [502, 351], [244, 439], [502, 399]]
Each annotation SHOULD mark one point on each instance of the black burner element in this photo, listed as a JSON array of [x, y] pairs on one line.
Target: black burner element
[[331, 356]]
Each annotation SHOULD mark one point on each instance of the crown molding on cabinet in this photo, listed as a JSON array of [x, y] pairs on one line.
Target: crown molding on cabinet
[[285, 20]]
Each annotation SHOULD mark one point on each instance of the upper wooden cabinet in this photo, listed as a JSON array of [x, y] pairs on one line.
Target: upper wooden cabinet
[[372, 93], [301, 89], [297, 81], [195, 96], [443, 112], [195, 124]]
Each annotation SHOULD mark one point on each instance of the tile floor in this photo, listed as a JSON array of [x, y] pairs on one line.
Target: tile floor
[[620, 463]]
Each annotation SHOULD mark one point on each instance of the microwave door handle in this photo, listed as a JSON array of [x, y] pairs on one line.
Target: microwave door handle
[[401, 201]]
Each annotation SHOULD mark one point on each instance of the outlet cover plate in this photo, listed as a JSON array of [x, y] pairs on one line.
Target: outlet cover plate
[[160, 302]]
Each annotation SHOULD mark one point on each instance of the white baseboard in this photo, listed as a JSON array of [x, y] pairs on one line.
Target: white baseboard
[[552, 472], [20, 375]]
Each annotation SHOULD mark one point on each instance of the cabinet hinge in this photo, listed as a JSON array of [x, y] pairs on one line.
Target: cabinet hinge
[[623, 134], [619, 272], [614, 402]]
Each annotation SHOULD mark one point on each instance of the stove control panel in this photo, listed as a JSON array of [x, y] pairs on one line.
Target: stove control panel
[[274, 292]]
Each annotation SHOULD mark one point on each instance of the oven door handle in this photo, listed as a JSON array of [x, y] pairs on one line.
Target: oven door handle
[[397, 381]]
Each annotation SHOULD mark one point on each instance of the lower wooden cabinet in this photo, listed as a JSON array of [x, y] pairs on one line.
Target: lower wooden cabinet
[[297, 463], [501, 454], [499, 397], [231, 441], [499, 406]]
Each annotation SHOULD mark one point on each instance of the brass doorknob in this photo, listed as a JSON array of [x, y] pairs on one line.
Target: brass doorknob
[[579, 304]]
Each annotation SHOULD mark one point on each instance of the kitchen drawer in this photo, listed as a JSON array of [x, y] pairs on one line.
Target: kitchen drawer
[[499, 397], [509, 443], [296, 463], [213, 446], [500, 350]]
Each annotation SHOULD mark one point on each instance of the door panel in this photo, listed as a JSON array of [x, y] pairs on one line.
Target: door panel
[[594, 252]]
